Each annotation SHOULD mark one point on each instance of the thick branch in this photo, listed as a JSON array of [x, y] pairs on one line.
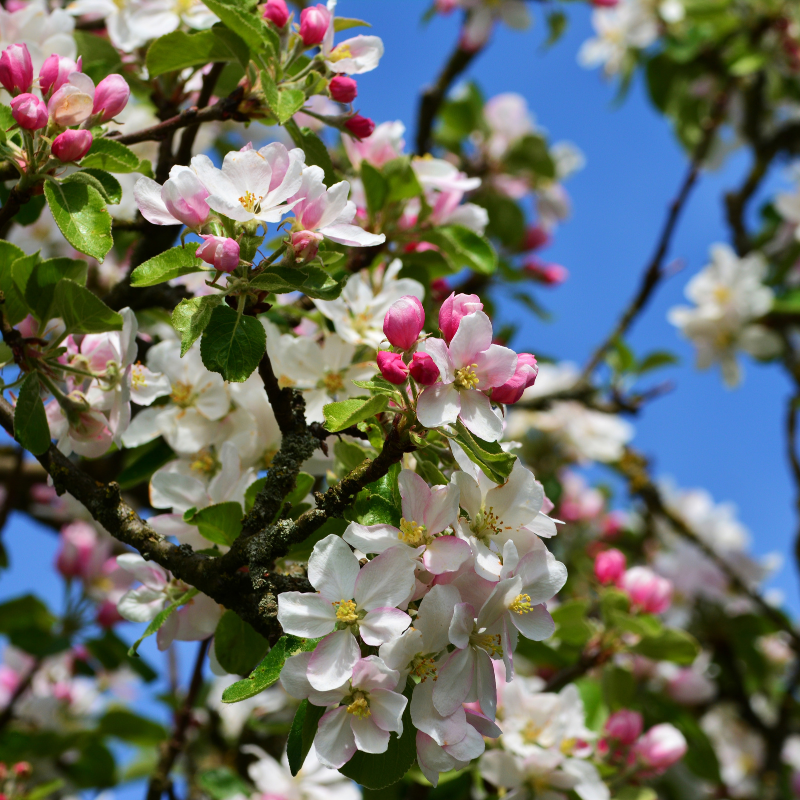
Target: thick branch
[[654, 271], [187, 139], [433, 96]]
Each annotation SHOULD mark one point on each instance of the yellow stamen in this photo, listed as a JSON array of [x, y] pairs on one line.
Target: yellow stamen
[[412, 534], [333, 382], [360, 706], [339, 52], [182, 394], [204, 462], [490, 643], [346, 611], [137, 376], [568, 745], [466, 377], [250, 202], [285, 382], [423, 668], [521, 604]]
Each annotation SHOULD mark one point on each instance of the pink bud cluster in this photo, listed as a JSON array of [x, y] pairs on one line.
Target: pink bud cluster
[[652, 753], [649, 592]]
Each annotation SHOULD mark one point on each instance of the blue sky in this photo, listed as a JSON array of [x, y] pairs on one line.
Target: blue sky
[[729, 442]]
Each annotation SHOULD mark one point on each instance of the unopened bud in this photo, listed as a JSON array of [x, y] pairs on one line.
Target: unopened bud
[[423, 369], [223, 253], [392, 367], [55, 72], [276, 12], [536, 237], [453, 309], [403, 322], [71, 145], [524, 376], [29, 111], [314, 23], [649, 592], [547, 274], [609, 566], [360, 127], [110, 97], [305, 245], [662, 746], [343, 89], [625, 726], [16, 69], [22, 769]]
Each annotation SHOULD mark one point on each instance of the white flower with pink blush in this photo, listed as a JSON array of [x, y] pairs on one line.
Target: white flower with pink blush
[[252, 184], [468, 368], [180, 201], [352, 602], [195, 620], [352, 56], [367, 708], [385, 144], [427, 513]]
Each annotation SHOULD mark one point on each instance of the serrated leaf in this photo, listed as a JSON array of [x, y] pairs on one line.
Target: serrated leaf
[[161, 618], [105, 184], [82, 311], [237, 646], [110, 155], [191, 316], [343, 23], [301, 736], [179, 50], [81, 215], [379, 385], [40, 288], [465, 248], [15, 309], [245, 23], [339, 416], [290, 101], [232, 344], [269, 670], [170, 264], [220, 523], [30, 420]]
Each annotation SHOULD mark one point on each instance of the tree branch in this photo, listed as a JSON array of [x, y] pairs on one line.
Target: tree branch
[[184, 154], [654, 271]]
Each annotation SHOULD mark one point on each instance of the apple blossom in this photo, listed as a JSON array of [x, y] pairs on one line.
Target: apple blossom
[[453, 309], [350, 602], [180, 201], [221, 252], [662, 746], [82, 552], [71, 104], [649, 592], [16, 69], [29, 112], [403, 322], [523, 378], [609, 566], [55, 72], [423, 369], [277, 12], [384, 144], [352, 56], [624, 726], [71, 145], [392, 367]]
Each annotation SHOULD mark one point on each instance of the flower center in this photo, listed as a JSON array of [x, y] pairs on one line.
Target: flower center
[[487, 522], [521, 604], [339, 52], [137, 376], [182, 394], [333, 382], [204, 462], [722, 294], [413, 534], [531, 733], [346, 611], [488, 642], [423, 667], [250, 202], [466, 377], [360, 706]]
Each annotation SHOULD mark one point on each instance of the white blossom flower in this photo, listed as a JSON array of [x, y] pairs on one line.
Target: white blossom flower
[[352, 56], [44, 32]]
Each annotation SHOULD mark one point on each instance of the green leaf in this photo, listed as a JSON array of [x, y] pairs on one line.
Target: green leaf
[[246, 23], [104, 183], [494, 462], [30, 420], [6, 121], [372, 509], [556, 26], [636, 793], [139, 463], [316, 152], [379, 385], [100, 57], [40, 288], [465, 248], [25, 612], [161, 618], [170, 264], [82, 311], [339, 416], [656, 359], [15, 308], [572, 625], [44, 789], [530, 155], [6, 354], [112, 189], [376, 188], [619, 687], [232, 345], [290, 101], [269, 670], [222, 783], [403, 183], [220, 523], [320, 285], [110, 155], [178, 50], [301, 736], [343, 23], [382, 770], [506, 219], [81, 215], [191, 316], [671, 645], [237, 645], [130, 727]]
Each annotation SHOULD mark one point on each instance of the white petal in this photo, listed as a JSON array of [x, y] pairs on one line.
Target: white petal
[[333, 660], [478, 417], [446, 554], [352, 235], [536, 625], [147, 194], [387, 709], [303, 614], [368, 736], [334, 742], [381, 625], [371, 538], [388, 580], [439, 404], [333, 569], [443, 730], [455, 681]]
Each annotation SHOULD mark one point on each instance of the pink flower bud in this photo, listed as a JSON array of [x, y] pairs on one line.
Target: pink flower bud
[[662, 746], [440, 288], [314, 23], [305, 244], [360, 127], [648, 592], [524, 376], [536, 237], [221, 252], [343, 89], [82, 554], [71, 145], [609, 566], [55, 72], [22, 769], [110, 97], [276, 12], [453, 309], [625, 726], [604, 3], [547, 274], [392, 367], [29, 111], [16, 69], [403, 322], [445, 6], [423, 369]]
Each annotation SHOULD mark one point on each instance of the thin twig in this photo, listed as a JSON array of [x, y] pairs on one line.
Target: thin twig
[[207, 90], [160, 780], [654, 271]]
